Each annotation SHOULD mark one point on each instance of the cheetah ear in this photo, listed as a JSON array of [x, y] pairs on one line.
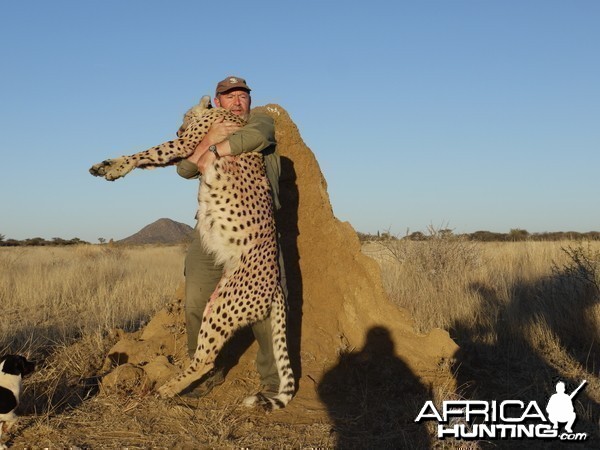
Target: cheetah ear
[[205, 102]]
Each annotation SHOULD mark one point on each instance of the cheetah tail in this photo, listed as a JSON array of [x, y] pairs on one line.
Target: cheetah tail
[[280, 350]]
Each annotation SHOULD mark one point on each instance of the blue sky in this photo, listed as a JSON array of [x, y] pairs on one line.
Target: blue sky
[[475, 115]]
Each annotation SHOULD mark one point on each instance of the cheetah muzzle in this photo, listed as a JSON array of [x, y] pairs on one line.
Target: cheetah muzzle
[[237, 224]]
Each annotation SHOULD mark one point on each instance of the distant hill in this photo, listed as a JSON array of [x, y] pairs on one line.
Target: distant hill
[[163, 231]]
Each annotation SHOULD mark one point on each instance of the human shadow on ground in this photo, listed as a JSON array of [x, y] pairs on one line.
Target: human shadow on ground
[[373, 398], [499, 359]]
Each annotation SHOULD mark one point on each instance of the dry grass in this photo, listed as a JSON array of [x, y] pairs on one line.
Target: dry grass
[[52, 295], [443, 281], [61, 307], [523, 313]]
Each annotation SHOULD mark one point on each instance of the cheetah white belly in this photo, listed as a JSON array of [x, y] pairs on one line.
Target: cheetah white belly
[[234, 196]]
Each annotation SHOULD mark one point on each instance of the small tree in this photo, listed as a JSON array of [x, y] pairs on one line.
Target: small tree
[[101, 240], [416, 236], [58, 241], [517, 234]]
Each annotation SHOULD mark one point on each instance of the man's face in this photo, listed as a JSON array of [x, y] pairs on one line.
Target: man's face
[[237, 101]]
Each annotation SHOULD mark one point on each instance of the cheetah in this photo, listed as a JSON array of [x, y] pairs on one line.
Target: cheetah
[[236, 220]]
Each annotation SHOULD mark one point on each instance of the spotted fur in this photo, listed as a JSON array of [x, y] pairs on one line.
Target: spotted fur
[[196, 123], [237, 224]]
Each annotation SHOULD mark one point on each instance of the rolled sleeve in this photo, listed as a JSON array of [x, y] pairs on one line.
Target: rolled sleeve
[[257, 135], [187, 169]]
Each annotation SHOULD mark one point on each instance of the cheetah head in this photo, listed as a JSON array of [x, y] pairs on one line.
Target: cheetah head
[[194, 111]]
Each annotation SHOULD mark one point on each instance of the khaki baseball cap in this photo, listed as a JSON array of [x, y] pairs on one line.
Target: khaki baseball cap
[[230, 83]]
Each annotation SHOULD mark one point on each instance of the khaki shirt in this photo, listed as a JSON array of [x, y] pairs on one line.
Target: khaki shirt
[[258, 135]]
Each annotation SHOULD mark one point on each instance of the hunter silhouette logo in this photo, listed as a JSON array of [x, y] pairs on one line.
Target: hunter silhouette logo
[[560, 407], [507, 419]]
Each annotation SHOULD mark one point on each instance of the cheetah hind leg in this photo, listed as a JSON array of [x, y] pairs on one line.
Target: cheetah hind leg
[[284, 368], [210, 343], [194, 372], [202, 362]]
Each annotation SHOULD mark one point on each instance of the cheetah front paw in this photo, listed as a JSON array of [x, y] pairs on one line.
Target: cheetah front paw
[[112, 169]]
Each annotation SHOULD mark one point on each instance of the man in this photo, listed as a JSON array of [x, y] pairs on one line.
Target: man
[[202, 274]]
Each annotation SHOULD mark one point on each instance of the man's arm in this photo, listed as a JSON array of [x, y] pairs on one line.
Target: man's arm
[[258, 134], [255, 136]]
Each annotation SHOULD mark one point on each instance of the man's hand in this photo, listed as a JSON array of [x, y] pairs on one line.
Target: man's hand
[[205, 161], [217, 134], [219, 131]]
